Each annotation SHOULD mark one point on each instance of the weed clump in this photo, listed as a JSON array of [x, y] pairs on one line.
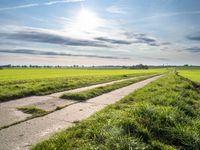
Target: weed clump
[[34, 111]]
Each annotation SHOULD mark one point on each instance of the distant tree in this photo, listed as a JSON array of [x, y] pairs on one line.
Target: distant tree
[[8, 66], [140, 66], [24, 66], [124, 67]]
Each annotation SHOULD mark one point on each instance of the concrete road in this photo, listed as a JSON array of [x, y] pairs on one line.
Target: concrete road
[[10, 114], [23, 135]]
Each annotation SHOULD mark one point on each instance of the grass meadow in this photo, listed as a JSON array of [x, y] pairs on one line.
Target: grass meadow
[[18, 83], [165, 114], [192, 73], [87, 94], [23, 74]]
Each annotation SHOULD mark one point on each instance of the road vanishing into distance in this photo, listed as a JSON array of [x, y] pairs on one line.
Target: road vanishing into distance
[[23, 135]]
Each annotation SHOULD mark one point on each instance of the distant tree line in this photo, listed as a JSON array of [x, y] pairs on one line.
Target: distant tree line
[[139, 66], [39, 66]]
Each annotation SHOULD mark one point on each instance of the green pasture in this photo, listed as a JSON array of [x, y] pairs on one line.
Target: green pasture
[[18, 83], [192, 73], [87, 94], [164, 115], [45, 73]]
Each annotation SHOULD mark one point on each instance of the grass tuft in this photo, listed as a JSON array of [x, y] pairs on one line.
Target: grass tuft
[[34, 111], [91, 93]]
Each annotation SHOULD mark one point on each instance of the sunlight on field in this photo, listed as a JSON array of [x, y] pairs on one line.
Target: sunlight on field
[[18, 83], [192, 74], [158, 116], [41, 73]]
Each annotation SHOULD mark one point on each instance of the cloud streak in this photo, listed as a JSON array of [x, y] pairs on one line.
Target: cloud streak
[[194, 37], [164, 15], [116, 10], [61, 1], [61, 38], [38, 35], [50, 53], [193, 49], [19, 7], [39, 4], [113, 41], [45, 36], [142, 38]]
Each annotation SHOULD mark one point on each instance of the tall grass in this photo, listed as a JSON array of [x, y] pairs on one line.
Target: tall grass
[[21, 88], [163, 115], [193, 74], [87, 94]]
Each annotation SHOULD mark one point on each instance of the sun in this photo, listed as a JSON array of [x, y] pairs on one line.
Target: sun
[[87, 20], [85, 24]]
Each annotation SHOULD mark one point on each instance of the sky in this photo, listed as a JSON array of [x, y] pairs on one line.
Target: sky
[[99, 32]]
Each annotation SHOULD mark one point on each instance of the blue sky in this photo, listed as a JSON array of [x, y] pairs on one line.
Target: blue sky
[[100, 32]]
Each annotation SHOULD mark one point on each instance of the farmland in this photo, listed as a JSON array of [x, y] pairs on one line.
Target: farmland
[[192, 73], [100, 75], [163, 115], [45, 73], [18, 83], [87, 94]]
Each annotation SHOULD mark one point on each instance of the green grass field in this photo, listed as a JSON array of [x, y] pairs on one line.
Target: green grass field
[[192, 73], [163, 115], [18, 83], [87, 94], [45, 73]]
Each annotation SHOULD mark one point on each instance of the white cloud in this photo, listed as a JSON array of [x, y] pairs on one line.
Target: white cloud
[[116, 9], [60, 60], [62, 1], [39, 4], [19, 6], [172, 14]]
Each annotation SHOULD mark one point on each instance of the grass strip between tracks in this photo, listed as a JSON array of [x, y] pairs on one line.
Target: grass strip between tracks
[[91, 93]]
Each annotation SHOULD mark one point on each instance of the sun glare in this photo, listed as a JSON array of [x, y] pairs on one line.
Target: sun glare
[[87, 20]]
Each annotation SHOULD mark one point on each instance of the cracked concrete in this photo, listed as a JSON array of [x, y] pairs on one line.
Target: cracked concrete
[[24, 135], [10, 114]]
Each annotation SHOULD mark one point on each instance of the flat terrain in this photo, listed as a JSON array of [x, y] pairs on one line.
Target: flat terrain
[[45, 73], [19, 83], [9, 110], [165, 115], [162, 115], [192, 73], [23, 135]]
